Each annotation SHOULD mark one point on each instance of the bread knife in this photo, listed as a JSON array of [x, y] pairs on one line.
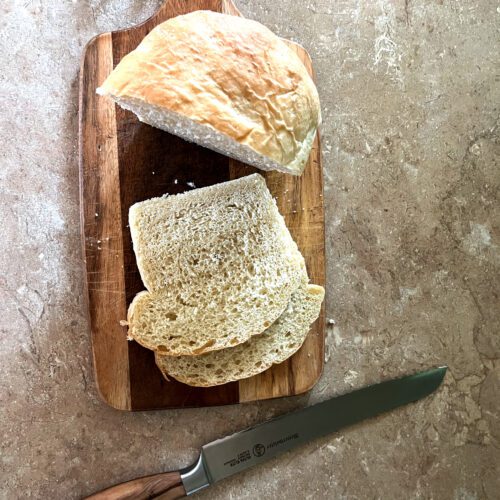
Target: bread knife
[[232, 454]]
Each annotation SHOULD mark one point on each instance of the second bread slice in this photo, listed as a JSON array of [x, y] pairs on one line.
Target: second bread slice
[[275, 345]]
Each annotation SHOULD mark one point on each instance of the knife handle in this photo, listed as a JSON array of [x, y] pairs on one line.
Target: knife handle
[[167, 484]]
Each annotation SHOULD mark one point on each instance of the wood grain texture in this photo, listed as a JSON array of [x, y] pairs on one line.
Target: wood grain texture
[[123, 161], [168, 485], [102, 232]]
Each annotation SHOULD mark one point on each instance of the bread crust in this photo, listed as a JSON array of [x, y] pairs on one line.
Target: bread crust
[[228, 73]]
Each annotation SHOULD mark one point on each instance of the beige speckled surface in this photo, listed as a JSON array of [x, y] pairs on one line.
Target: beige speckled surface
[[410, 106]]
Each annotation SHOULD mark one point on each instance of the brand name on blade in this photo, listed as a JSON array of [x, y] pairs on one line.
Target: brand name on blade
[[282, 440], [258, 450]]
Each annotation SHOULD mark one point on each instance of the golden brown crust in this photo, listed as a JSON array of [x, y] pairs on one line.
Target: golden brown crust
[[229, 73]]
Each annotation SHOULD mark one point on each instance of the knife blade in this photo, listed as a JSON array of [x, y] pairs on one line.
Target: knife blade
[[232, 454]]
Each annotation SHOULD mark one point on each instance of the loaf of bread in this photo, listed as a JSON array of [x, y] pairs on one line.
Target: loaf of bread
[[282, 339], [224, 82], [219, 265]]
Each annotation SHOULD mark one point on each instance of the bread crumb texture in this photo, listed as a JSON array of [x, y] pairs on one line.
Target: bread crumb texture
[[219, 265]]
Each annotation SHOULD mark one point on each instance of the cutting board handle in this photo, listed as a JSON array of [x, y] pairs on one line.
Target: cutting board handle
[[224, 6], [168, 484], [228, 7]]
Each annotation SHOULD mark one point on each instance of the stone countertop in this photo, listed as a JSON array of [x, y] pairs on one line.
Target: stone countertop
[[410, 145]]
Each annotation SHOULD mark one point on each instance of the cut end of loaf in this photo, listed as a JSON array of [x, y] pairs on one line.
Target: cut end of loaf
[[209, 137]]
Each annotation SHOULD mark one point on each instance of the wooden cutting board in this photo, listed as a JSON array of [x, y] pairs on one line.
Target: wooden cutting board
[[123, 161]]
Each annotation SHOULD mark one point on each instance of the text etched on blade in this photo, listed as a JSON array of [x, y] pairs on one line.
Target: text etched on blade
[[283, 440], [258, 450]]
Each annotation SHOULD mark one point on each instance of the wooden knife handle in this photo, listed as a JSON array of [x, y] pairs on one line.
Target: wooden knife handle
[[167, 484]]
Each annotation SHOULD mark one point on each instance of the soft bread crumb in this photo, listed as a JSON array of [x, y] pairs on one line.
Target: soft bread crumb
[[189, 249]]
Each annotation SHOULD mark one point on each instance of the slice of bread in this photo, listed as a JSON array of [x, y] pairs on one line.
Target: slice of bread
[[282, 339], [224, 82], [219, 264]]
